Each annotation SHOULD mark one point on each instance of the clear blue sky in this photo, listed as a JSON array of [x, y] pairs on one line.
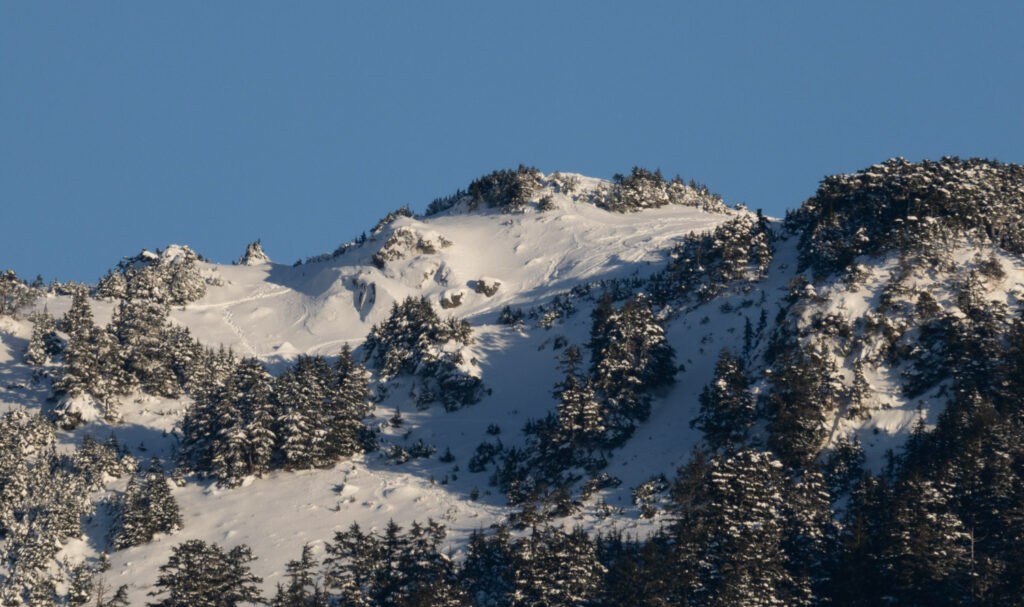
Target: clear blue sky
[[126, 125]]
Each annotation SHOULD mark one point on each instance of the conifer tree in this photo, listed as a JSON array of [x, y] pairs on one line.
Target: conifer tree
[[44, 342], [730, 531], [803, 390], [112, 286], [303, 391], [202, 575], [140, 326], [811, 539], [256, 403], [727, 408], [145, 509], [556, 568], [80, 368], [80, 584], [579, 411], [350, 567], [349, 402], [302, 589], [229, 445], [635, 360], [488, 573]]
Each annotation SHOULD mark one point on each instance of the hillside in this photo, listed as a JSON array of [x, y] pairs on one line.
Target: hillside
[[603, 339]]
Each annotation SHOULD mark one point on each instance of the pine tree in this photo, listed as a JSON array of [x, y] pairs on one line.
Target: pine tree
[[140, 326], [727, 408], [112, 286], [430, 574], [488, 573], [556, 568], [80, 584], [198, 574], [302, 589], [255, 387], [730, 531], [229, 446], [348, 403], [803, 389], [44, 342], [635, 360], [145, 509], [928, 552], [161, 508], [14, 293], [129, 526], [41, 506], [80, 371], [861, 579], [350, 568], [302, 392], [811, 539], [579, 411]]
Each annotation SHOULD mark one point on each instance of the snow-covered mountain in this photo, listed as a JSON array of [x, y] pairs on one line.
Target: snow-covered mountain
[[862, 288]]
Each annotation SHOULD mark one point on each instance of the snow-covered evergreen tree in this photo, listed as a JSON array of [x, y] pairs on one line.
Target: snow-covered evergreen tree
[[727, 408], [804, 389], [634, 360], [302, 429], [198, 574], [257, 407], [556, 568], [15, 293], [44, 342], [146, 508], [488, 573], [140, 326], [580, 413]]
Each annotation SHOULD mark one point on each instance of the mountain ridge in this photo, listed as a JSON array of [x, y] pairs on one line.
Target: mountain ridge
[[850, 332]]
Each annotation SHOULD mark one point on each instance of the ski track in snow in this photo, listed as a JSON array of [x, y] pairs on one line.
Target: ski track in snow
[[229, 321]]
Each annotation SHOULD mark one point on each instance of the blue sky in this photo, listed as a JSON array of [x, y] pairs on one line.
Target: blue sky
[[126, 125]]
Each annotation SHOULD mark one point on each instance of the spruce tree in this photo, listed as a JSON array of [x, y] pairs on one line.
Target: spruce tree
[[811, 539], [349, 402], [301, 589], [302, 392], [488, 573], [556, 568], [146, 508], [198, 574], [140, 326], [44, 342], [80, 372], [351, 565], [730, 531], [727, 408], [256, 403], [804, 389], [635, 360]]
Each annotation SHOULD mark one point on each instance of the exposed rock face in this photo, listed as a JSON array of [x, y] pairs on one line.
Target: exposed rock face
[[451, 299], [487, 286], [254, 255], [406, 241]]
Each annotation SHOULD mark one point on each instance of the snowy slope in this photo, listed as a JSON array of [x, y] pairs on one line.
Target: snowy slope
[[276, 312], [270, 310]]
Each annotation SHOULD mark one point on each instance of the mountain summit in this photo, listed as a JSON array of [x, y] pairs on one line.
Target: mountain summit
[[620, 380]]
